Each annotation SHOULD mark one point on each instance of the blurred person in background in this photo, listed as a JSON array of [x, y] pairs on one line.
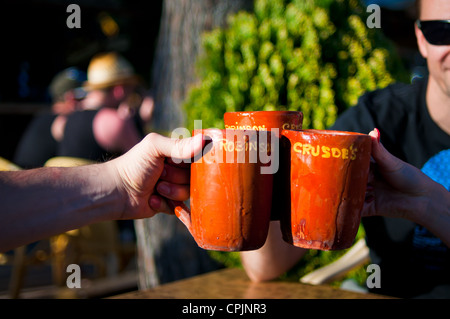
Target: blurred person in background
[[113, 117], [40, 141], [114, 114]]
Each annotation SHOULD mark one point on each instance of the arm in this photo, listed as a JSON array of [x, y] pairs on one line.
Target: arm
[[397, 189], [39, 203], [273, 259]]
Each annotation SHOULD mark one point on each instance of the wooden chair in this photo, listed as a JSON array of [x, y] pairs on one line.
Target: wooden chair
[[356, 256], [67, 161], [6, 165], [21, 259], [93, 244], [97, 244]]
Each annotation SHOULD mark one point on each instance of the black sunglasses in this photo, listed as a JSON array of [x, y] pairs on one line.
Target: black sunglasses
[[436, 32]]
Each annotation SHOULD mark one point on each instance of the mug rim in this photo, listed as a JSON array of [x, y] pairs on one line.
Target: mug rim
[[260, 112], [324, 132]]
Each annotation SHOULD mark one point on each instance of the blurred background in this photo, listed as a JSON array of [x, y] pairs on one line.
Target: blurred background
[[179, 49], [36, 44]]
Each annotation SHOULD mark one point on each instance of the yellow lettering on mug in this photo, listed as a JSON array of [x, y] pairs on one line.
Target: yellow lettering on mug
[[297, 147], [326, 152], [306, 149], [223, 144], [315, 150], [353, 156], [335, 152], [344, 153]]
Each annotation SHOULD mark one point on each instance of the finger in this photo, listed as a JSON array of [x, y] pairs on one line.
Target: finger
[[173, 191], [384, 159], [177, 163], [177, 149], [176, 175], [159, 204]]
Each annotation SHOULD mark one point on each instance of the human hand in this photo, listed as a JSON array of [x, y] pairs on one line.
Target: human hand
[[395, 188], [146, 175]]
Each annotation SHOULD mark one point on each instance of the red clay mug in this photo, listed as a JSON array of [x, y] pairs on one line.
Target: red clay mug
[[268, 120], [328, 178], [230, 196]]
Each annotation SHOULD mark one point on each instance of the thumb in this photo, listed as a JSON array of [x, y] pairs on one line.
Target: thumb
[[385, 160], [178, 149]]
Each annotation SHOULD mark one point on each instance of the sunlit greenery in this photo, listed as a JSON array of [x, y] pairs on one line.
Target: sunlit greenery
[[317, 57]]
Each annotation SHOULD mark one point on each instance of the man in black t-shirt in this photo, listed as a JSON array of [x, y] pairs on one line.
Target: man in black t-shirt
[[40, 140], [412, 260], [414, 121]]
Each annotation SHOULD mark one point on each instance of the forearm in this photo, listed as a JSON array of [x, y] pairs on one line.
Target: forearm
[[37, 204], [436, 216], [273, 259]]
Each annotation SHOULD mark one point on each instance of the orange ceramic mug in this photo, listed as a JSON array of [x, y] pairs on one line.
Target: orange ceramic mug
[[268, 120], [328, 178], [230, 195]]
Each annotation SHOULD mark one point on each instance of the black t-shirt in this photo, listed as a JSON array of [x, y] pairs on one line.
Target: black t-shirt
[[413, 262], [37, 144], [79, 140]]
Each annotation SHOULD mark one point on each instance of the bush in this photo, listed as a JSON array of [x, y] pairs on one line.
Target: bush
[[317, 57]]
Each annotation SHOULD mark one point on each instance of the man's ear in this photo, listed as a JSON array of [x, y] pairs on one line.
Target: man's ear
[[421, 41]]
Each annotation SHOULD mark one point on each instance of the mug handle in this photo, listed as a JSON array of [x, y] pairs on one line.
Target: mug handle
[[182, 212]]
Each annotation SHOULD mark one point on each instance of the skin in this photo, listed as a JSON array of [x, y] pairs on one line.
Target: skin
[[438, 61]]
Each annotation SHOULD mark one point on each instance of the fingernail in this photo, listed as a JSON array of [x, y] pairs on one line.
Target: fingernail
[[378, 135], [369, 199], [163, 189], [164, 172]]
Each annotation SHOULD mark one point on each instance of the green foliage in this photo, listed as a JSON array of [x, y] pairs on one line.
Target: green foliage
[[314, 56]]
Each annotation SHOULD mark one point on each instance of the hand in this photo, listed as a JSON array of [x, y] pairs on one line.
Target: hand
[[146, 175], [395, 188]]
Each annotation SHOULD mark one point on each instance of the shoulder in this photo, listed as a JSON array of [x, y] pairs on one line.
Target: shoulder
[[43, 120], [397, 96], [388, 106]]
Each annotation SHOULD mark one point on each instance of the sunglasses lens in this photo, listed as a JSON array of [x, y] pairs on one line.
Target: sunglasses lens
[[436, 32]]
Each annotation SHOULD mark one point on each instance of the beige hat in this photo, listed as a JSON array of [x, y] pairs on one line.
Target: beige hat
[[108, 69]]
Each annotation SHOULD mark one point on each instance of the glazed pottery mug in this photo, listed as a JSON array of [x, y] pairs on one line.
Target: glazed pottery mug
[[230, 196], [268, 120], [328, 178]]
